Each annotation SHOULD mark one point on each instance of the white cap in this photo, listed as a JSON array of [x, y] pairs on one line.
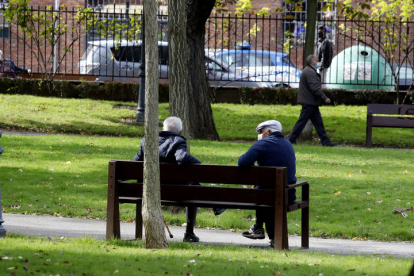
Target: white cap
[[275, 125]]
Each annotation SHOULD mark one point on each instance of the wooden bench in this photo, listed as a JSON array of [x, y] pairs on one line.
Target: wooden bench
[[124, 186], [373, 120]]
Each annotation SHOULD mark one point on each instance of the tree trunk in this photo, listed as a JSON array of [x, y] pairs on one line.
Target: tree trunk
[[307, 131], [151, 194], [311, 11], [178, 74], [200, 115]]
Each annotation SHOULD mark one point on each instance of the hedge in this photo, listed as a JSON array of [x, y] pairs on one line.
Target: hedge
[[117, 91]]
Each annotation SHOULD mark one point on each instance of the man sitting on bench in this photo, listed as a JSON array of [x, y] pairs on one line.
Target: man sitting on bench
[[272, 149], [173, 149]]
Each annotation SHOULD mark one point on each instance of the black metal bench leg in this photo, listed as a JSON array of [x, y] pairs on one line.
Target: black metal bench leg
[[138, 221]]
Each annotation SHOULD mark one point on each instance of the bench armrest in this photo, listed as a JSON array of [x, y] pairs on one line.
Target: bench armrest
[[297, 184]]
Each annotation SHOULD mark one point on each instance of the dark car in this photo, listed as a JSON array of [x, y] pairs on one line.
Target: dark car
[[405, 78]]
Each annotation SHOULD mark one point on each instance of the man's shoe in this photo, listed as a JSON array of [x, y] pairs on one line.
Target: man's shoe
[[190, 237], [218, 211], [254, 233], [331, 144]]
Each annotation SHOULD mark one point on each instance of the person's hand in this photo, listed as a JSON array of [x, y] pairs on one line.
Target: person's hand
[[328, 101]]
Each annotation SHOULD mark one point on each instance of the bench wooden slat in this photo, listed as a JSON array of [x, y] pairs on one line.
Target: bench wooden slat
[[203, 174], [198, 203], [390, 109], [206, 193], [296, 185], [382, 121]]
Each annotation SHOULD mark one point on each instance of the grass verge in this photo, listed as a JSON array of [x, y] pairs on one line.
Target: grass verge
[[41, 256]]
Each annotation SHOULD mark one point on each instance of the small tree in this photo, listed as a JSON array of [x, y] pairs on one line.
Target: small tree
[[385, 24], [42, 31], [151, 194]]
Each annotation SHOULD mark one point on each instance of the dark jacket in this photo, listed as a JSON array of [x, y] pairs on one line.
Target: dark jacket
[[273, 150], [324, 53], [172, 149], [310, 91]]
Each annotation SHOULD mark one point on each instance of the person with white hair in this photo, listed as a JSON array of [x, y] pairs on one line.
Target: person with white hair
[[173, 149], [311, 96], [9, 69], [271, 149]]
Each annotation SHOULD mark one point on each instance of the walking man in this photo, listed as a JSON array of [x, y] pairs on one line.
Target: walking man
[[311, 96]]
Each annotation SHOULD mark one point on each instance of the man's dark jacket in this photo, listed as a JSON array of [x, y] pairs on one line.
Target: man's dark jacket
[[310, 91], [273, 150], [172, 149], [324, 53]]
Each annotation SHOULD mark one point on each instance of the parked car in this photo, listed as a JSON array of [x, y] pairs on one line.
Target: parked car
[[221, 74], [109, 60], [406, 77], [120, 62], [275, 66]]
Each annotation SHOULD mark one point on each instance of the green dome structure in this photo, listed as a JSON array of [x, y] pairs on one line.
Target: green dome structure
[[360, 67]]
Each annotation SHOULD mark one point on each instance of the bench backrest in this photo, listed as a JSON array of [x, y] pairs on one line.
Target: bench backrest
[[272, 181], [406, 120]]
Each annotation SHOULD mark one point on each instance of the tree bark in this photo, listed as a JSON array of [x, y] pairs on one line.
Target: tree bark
[[200, 115], [151, 195], [311, 12], [178, 74]]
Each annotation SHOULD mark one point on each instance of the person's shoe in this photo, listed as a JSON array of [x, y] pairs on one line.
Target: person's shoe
[[190, 237], [218, 211], [331, 144], [254, 233]]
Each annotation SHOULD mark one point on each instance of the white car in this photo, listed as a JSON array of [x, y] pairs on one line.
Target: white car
[[111, 61]]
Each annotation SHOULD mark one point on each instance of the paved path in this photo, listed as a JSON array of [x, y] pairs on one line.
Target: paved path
[[71, 228]]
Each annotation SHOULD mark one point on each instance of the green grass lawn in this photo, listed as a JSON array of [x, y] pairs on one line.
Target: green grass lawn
[[353, 190], [40, 256], [344, 124]]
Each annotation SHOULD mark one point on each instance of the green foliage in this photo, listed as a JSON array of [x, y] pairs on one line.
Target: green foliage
[[372, 96], [253, 96]]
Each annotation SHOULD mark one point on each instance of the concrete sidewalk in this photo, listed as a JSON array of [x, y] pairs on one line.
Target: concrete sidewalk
[[70, 228]]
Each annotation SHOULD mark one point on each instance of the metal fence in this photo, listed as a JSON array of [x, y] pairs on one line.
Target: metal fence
[[249, 49]]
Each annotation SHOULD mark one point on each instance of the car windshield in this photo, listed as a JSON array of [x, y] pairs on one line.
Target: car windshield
[[287, 61], [247, 60]]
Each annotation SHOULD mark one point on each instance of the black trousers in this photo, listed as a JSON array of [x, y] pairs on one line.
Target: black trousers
[[310, 112], [266, 216]]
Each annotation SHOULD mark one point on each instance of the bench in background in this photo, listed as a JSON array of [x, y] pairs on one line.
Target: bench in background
[[125, 186], [373, 120]]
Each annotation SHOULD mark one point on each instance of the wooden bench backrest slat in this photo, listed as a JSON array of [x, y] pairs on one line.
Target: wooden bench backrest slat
[[171, 192], [263, 176], [390, 109], [380, 121]]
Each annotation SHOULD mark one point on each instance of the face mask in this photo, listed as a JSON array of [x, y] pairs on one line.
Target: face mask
[[317, 65], [321, 35], [259, 137]]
